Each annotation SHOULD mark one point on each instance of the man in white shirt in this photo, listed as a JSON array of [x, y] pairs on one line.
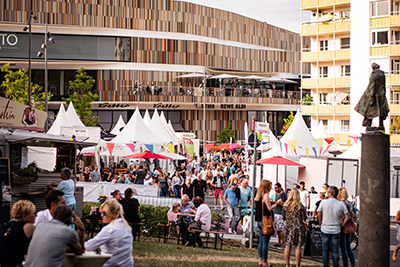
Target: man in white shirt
[[204, 173], [53, 199], [304, 195]]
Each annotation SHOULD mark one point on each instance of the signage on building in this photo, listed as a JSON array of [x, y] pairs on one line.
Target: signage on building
[[8, 41], [88, 134], [19, 116]]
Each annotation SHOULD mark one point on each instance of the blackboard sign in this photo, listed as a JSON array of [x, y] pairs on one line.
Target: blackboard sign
[[314, 241], [5, 201]]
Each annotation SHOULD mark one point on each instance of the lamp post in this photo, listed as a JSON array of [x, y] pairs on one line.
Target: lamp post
[[29, 23]]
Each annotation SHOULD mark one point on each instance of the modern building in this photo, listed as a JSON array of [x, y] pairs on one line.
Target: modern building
[[341, 39], [136, 50]]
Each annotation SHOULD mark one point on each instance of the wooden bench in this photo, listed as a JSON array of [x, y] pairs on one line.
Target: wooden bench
[[218, 236], [91, 231], [136, 230], [163, 228]]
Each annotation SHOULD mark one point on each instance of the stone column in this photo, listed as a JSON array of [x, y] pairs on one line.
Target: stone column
[[374, 232]]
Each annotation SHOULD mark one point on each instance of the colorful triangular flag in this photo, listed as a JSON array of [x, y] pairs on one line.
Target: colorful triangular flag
[[307, 151], [320, 142], [132, 147], [149, 147], [190, 149], [315, 152], [171, 148], [110, 147], [208, 147], [292, 145]]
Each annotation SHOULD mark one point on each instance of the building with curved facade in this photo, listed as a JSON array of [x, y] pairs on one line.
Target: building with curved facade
[[136, 51]]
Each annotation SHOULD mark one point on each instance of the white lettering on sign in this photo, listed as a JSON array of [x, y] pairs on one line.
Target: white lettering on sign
[[8, 39]]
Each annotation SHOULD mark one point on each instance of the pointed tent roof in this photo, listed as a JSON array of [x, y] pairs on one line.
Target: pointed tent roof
[[146, 117], [170, 126], [298, 131], [321, 132], [156, 126], [166, 126], [120, 124], [73, 117], [137, 131], [61, 120]]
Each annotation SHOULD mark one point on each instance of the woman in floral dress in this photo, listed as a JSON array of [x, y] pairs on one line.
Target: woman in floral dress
[[294, 213]]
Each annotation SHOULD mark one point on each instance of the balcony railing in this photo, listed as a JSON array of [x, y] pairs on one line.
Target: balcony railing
[[325, 109]]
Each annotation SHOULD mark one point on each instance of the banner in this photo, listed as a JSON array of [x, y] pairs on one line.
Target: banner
[[110, 147], [171, 148], [131, 146], [88, 134], [187, 141], [19, 116]]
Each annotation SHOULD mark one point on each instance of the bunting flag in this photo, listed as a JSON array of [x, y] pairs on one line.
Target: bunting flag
[[95, 147], [348, 143], [315, 152], [329, 140], [232, 147], [131, 147], [320, 142], [354, 137], [190, 149], [307, 151], [276, 141], [286, 147], [110, 147], [320, 151], [171, 148], [259, 136], [280, 145], [149, 147], [292, 145], [208, 147]]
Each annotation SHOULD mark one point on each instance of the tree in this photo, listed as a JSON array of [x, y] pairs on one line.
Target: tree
[[395, 126], [82, 97], [226, 133], [288, 122], [17, 84]]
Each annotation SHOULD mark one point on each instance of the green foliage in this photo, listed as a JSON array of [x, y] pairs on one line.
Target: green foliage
[[288, 122], [82, 97], [86, 214], [151, 216], [226, 133], [217, 221], [307, 100], [395, 126], [17, 84]]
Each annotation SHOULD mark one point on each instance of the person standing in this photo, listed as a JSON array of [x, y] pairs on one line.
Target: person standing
[[67, 186], [95, 175], [140, 175], [164, 185], [279, 222], [199, 186], [232, 203], [262, 203], [294, 213], [218, 183], [330, 212], [245, 197], [304, 195], [176, 184]]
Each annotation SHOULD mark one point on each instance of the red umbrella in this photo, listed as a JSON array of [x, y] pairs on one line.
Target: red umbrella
[[147, 155], [278, 160], [224, 147]]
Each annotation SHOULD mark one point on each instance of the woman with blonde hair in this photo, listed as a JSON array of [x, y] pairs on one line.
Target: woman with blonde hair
[[345, 239], [262, 200], [294, 213], [17, 234], [115, 238]]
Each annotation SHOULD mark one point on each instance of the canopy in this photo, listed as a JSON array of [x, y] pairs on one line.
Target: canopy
[[61, 120], [73, 117], [225, 76], [172, 156], [254, 77], [225, 147], [137, 131], [278, 160], [118, 127], [170, 126], [191, 75], [146, 117], [321, 132], [147, 155], [170, 129], [156, 126]]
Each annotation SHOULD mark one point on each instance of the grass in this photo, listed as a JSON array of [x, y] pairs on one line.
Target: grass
[[151, 253]]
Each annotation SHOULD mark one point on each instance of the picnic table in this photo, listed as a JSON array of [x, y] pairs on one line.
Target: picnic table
[[87, 259]]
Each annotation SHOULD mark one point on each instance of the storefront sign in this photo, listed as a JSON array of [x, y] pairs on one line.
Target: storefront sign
[[18, 116], [174, 106], [89, 134], [8, 41]]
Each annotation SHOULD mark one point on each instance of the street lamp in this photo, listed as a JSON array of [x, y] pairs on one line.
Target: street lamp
[[30, 16], [43, 51]]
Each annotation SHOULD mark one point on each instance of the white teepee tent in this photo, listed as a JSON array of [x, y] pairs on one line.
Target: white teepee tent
[[120, 124], [321, 132], [73, 117], [157, 126], [146, 117], [61, 120], [171, 131]]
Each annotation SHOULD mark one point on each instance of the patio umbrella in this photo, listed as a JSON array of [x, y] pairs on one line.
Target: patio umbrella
[[225, 147], [191, 75], [278, 160], [253, 78], [225, 76], [147, 155]]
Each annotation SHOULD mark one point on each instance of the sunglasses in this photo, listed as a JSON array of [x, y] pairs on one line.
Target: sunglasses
[[103, 213]]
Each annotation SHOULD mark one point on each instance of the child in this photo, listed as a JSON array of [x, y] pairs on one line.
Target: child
[[173, 219], [321, 197]]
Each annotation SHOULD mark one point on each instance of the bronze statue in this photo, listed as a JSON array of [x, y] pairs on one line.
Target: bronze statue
[[373, 102]]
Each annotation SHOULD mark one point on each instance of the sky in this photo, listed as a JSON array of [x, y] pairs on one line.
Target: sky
[[282, 13]]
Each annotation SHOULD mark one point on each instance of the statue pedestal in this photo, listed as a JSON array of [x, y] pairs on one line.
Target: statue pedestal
[[374, 233]]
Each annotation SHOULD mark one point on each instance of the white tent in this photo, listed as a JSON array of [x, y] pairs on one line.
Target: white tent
[[137, 131], [120, 124], [61, 120], [146, 117], [156, 126], [73, 117], [171, 131], [298, 131], [170, 126], [321, 132]]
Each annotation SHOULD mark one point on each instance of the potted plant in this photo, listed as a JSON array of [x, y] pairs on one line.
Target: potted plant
[[25, 175]]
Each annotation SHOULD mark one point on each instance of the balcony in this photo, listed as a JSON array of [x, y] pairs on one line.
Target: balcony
[[380, 22], [343, 26], [312, 4], [342, 54], [395, 109], [326, 82], [325, 110], [395, 139], [395, 20], [314, 28], [393, 79], [325, 55], [394, 50], [342, 81], [309, 3], [379, 51]]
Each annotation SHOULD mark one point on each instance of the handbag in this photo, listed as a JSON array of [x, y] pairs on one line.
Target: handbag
[[307, 228], [267, 223], [350, 227], [196, 225]]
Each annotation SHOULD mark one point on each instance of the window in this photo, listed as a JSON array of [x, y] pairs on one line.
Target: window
[[344, 125], [395, 36], [345, 14], [323, 45], [344, 70], [325, 123], [395, 66], [380, 38], [396, 7], [345, 43], [379, 8], [323, 72], [394, 97], [323, 98]]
